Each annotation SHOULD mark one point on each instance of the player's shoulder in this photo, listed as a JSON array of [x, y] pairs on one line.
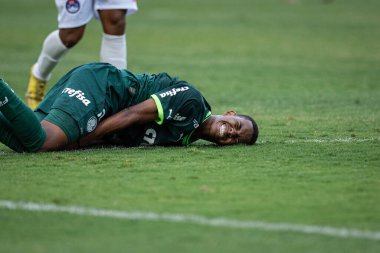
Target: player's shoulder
[[179, 89]]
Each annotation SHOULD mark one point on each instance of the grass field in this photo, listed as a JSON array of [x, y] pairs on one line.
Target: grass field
[[307, 70]]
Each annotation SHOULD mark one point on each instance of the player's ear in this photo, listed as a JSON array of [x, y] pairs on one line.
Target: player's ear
[[229, 113]]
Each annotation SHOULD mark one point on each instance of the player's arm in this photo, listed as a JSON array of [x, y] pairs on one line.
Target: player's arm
[[141, 113]]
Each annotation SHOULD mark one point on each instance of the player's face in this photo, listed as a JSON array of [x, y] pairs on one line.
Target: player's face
[[229, 129]]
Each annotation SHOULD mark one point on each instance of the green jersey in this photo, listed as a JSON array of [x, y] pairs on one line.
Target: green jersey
[[181, 110], [92, 92]]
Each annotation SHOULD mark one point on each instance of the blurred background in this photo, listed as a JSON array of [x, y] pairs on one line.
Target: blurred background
[[307, 70]]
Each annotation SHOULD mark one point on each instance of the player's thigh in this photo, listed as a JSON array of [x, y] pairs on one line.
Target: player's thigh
[[55, 137], [113, 21], [61, 129]]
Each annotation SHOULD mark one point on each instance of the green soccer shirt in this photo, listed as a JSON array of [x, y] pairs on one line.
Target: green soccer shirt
[[92, 92], [181, 110]]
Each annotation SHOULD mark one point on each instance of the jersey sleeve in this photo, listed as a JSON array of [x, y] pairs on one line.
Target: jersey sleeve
[[181, 107]]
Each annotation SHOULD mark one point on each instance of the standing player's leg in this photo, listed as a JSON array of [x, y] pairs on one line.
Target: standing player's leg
[[72, 18], [112, 15], [53, 50], [114, 43]]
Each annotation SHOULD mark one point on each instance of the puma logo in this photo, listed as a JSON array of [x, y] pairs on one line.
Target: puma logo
[[5, 101]]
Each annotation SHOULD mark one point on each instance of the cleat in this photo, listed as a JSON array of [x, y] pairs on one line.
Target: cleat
[[35, 92]]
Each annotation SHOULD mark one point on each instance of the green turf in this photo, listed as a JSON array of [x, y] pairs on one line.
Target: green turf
[[307, 70]]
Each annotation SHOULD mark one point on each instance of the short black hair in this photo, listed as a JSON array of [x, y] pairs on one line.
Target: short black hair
[[255, 134]]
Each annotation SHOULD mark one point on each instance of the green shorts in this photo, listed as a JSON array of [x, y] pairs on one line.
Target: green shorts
[[81, 96]]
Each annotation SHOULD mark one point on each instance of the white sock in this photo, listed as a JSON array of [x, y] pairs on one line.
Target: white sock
[[52, 51], [114, 50]]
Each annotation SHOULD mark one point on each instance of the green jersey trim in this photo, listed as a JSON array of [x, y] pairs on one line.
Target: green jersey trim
[[186, 139], [160, 110], [207, 116]]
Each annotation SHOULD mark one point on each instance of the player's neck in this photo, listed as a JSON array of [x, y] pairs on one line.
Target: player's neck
[[203, 131]]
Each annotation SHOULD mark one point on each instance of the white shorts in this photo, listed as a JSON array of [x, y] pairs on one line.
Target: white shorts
[[75, 13]]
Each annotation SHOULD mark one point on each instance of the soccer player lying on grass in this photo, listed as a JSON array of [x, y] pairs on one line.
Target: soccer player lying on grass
[[97, 102]]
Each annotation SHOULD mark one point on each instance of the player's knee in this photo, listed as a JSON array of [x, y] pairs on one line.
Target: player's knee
[[117, 19], [70, 37], [113, 21]]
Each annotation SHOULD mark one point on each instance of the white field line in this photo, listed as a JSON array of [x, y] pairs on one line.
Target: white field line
[[337, 140], [193, 219]]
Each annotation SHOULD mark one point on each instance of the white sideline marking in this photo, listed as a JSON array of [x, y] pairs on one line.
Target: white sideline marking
[[338, 140], [193, 219]]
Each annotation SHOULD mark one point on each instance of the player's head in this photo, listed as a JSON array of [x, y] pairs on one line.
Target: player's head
[[231, 128]]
